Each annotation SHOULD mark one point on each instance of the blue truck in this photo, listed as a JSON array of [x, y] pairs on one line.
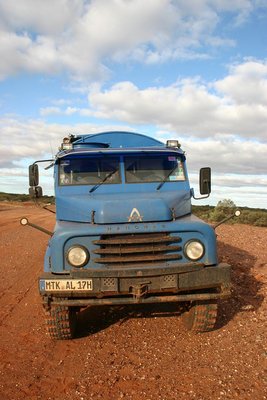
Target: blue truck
[[125, 233]]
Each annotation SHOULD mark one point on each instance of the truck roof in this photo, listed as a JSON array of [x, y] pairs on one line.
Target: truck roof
[[114, 141], [118, 139]]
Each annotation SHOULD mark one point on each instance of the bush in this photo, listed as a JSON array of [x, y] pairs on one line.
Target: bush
[[225, 208], [24, 197], [250, 216], [262, 221]]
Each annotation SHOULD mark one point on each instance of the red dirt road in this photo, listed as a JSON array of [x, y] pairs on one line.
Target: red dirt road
[[133, 352]]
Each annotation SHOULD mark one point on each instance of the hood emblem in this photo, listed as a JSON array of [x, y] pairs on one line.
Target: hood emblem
[[135, 216]]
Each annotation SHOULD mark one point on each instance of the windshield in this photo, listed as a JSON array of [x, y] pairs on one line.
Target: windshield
[[153, 169], [98, 170], [89, 171]]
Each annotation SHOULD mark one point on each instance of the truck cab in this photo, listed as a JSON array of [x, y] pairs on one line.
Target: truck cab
[[125, 234]]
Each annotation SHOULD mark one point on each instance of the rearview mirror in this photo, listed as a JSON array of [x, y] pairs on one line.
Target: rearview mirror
[[33, 175], [205, 180], [36, 191]]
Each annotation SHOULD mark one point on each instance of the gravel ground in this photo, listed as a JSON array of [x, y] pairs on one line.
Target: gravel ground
[[131, 352]]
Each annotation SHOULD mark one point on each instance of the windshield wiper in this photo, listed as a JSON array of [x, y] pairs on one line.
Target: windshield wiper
[[166, 178], [103, 181]]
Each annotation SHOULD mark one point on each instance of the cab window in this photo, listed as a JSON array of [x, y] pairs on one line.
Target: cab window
[[154, 169], [89, 171]]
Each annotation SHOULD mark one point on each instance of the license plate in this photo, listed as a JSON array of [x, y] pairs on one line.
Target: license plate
[[66, 285]]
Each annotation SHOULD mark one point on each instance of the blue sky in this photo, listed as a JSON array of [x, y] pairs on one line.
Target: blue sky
[[195, 70]]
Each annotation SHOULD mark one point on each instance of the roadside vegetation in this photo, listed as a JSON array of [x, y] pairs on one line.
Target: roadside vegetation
[[225, 208], [211, 214], [6, 197]]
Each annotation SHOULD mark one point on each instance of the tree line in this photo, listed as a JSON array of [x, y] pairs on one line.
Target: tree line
[[24, 198]]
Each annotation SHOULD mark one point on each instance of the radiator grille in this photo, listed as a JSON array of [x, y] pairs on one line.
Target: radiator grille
[[139, 249]]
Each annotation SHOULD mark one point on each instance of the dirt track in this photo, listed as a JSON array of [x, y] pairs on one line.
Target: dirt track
[[131, 352]]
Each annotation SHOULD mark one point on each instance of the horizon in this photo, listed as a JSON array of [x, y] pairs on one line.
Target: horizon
[[193, 203]]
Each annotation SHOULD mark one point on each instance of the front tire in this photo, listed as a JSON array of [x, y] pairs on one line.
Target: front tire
[[61, 322], [201, 316]]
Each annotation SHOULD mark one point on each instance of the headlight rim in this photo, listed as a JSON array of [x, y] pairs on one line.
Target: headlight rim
[[87, 258], [186, 246]]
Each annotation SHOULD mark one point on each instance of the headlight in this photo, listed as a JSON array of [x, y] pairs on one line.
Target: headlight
[[78, 256], [194, 250]]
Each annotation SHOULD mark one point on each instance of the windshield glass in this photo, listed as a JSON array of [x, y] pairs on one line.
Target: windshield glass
[[89, 171], [145, 168]]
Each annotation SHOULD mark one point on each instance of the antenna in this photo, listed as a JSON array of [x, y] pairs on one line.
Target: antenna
[[51, 149]]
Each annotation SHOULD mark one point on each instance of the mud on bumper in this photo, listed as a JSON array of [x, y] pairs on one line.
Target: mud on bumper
[[181, 283]]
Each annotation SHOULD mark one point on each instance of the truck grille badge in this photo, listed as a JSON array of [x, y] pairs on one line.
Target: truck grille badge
[[135, 216]]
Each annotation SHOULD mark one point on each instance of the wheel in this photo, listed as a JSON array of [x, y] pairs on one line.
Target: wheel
[[61, 322], [201, 316]]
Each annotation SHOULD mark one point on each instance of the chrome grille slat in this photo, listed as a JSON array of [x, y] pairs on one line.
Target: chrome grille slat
[[131, 250], [134, 239], [158, 257], [136, 249]]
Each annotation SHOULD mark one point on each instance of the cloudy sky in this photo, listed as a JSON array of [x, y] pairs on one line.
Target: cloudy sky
[[193, 70]]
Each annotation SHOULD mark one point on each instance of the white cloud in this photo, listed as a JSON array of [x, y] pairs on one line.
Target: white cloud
[[255, 181], [36, 139], [239, 167], [47, 17], [62, 102], [227, 155], [246, 83], [83, 37], [243, 190], [45, 111], [168, 106], [50, 111], [235, 105], [237, 181]]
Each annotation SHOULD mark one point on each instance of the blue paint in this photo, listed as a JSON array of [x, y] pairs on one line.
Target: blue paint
[[120, 205], [121, 140], [70, 233]]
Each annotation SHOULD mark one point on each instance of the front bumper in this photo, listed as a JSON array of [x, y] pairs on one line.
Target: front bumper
[[181, 283]]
